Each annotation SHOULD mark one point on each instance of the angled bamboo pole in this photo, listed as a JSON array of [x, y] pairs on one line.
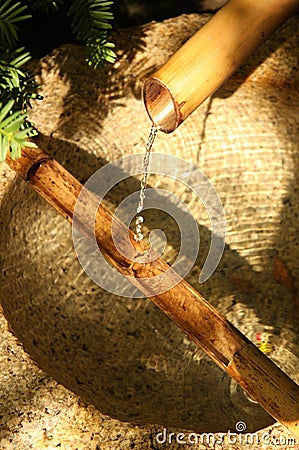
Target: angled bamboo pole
[[209, 329], [210, 57]]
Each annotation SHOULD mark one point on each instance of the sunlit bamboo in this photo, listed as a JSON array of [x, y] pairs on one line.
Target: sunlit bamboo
[[210, 57]]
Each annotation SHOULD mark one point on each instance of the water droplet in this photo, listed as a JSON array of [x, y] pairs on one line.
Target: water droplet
[[139, 219]]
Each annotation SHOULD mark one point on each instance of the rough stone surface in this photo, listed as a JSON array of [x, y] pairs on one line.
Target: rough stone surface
[[122, 355]]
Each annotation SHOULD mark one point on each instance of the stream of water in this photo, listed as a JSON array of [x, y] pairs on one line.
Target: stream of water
[[138, 236]]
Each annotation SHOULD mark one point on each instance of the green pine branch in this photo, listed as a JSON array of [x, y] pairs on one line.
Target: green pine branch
[[14, 82], [14, 131], [91, 20], [10, 14], [99, 50], [17, 87]]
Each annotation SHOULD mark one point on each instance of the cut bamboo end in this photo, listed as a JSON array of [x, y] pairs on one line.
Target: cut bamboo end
[[161, 105], [210, 57]]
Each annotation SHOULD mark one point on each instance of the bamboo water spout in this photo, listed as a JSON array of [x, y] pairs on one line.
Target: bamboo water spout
[[209, 329], [210, 57]]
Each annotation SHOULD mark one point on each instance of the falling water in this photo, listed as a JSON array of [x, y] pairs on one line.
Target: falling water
[[139, 219]]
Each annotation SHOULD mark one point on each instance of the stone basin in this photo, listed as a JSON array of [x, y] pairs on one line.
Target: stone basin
[[123, 355]]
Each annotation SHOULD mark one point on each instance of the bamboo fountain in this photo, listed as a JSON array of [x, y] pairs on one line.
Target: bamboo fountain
[[170, 95]]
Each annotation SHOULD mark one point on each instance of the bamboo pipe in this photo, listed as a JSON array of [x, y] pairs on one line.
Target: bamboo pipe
[[209, 329], [210, 57]]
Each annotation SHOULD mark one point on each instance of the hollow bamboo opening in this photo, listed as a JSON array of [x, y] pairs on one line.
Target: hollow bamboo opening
[[161, 105]]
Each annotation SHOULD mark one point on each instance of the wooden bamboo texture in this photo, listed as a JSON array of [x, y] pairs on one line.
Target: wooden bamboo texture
[[210, 330], [210, 57]]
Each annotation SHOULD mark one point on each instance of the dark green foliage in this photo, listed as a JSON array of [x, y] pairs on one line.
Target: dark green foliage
[[14, 82], [14, 130], [45, 5], [98, 50], [90, 21], [17, 87], [10, 14]]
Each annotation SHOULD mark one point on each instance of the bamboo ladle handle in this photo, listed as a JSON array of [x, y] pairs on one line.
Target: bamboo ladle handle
[[210, 57]]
